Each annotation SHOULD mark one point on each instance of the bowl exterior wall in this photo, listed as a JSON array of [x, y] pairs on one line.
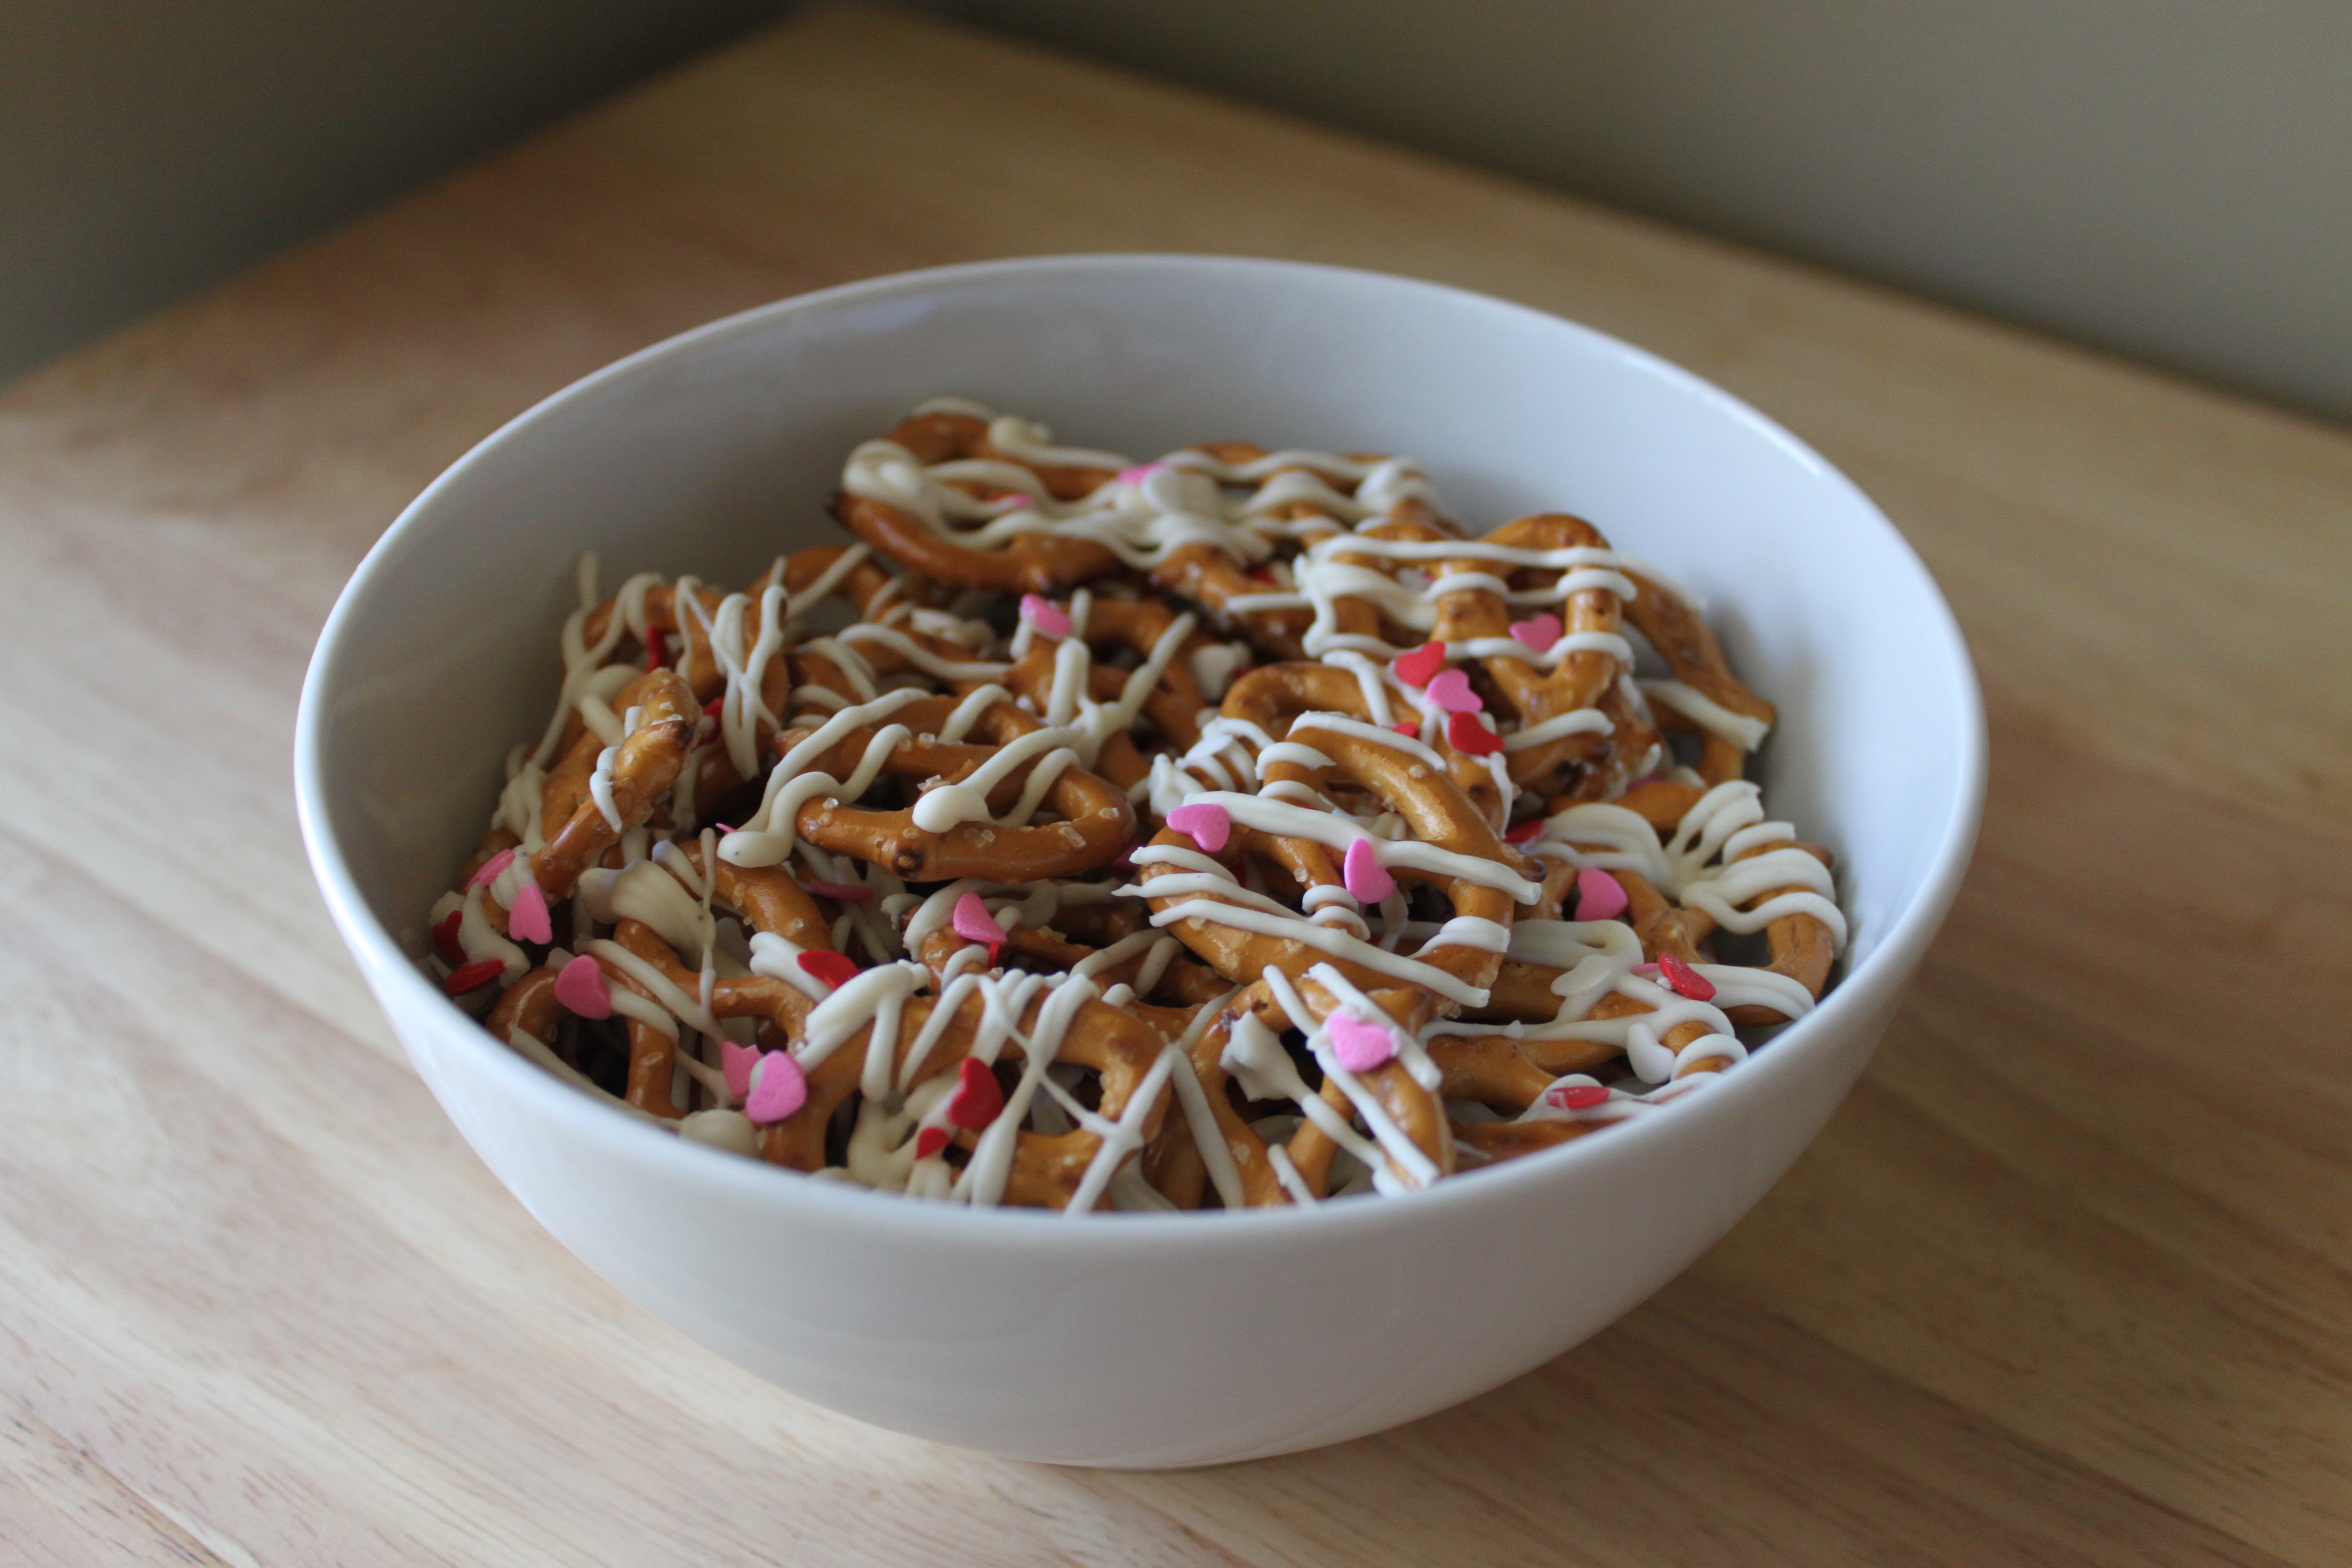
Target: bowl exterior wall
[[1171, 1357], [1183, 1340]]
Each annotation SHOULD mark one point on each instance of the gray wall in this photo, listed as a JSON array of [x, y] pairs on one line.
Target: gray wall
[[149, 147], [2171, 178]]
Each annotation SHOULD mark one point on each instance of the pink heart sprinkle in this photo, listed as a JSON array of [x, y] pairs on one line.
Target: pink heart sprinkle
[[1574, 1096], [834, 969], [582, 987], [972, 922], [527, 922], [1450, 689], [1357, 1046], [1207, 822], [843, 892], [1044, 614], [1015, 498], [1363, 873], [1679, 977], [1598, 895], [779, 1088], [1141, 472], [1538, 634], [736, 1062], [1415, 668], [491, 867]]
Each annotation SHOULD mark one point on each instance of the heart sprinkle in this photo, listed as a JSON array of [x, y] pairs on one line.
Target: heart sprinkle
[[1469, 737], [930, 1141], [1044, 614], [491, 867], [527, 922], [736, 1062], [1363, 873], [1141, 472], [1538, 634], [1207, 822], [1415, 668], [1450, 689], [973, 922], [656, 650], [779, 1088], [1356, 1046], [843, 892], [1525, 832], [583, 989], [1406, 727], [473, 976], [979, 1098], [1016, 500], [445, 939], [837, 970], [1574, 1096], [1598, 895], [1682, 978]]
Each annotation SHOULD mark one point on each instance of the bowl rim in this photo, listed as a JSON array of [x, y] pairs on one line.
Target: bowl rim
[[385, 963]]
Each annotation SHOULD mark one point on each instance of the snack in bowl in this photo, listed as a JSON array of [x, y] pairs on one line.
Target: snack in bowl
[[1228, 830]]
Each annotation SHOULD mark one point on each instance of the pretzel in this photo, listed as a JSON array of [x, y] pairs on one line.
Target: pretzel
[[1041, 1170], [913, 530], [1095, 821], [1214, 580], [1433, 889], [1451, 850]]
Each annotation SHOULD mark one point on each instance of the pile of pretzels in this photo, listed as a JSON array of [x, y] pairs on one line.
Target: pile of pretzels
[[1223, 831]]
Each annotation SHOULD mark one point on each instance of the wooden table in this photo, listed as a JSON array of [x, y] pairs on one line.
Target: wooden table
[[2066, 1280]]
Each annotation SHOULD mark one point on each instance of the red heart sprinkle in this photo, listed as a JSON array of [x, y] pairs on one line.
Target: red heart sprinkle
[[834, 969], [711, 709], [1467, 735], [657, 648], [1574, 1096], [979, 1098], [473, 976], [1415, 668], [1525, 832], [930, 1141], [1407, 727], [444, 937], [1681, 977]]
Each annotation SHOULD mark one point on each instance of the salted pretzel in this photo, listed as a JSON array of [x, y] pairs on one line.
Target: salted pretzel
[[1447, 857]]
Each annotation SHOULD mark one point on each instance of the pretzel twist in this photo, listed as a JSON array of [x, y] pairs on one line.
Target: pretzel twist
[[919, 964]]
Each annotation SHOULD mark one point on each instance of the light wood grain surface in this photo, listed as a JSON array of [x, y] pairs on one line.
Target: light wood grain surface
[[2065, 1281]]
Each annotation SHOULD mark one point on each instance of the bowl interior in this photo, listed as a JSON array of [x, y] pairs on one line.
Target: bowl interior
[[716, 451]]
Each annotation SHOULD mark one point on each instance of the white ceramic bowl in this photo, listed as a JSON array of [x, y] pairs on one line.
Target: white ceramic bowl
[[1132, 1340]]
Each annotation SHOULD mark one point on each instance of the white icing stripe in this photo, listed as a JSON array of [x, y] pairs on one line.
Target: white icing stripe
[[1288, 821], [1337, 943], [1702, 710]]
